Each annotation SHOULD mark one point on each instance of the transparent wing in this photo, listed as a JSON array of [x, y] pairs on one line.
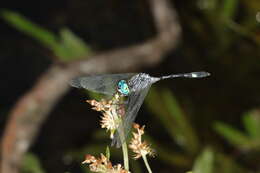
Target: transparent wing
[[135, 100], [105, 84]]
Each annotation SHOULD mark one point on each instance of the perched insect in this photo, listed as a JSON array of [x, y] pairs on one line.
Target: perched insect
[[134, 86]]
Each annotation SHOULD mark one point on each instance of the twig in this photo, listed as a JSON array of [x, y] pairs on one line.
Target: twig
[[33, 108], [124, 148], [146, 164]]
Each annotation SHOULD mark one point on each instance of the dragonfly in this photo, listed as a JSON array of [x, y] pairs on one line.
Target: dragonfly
[[133, 86]]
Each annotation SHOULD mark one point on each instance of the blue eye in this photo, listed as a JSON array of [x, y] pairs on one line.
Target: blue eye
[[122, 87]]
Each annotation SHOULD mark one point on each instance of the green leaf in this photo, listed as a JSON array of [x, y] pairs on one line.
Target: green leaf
[[67, 47], [157, 106], [72, 47], [205, 162], [226, 164], [215, 162], [251, 122], [31, 164], [164, 105], [21, 23], [190, 139], [228, 9], [233, 136], [107, 153]]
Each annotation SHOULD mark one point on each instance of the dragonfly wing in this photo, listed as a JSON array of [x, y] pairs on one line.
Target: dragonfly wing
[[135, 100], [105, 84]]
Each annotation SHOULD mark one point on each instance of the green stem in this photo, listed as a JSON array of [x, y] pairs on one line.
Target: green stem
[[124, 147], [125, 154], [146, 163]]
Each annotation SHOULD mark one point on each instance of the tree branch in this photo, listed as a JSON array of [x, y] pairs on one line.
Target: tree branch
[[33, 108]]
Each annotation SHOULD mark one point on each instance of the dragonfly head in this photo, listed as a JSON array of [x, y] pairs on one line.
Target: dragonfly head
[[123, 88]]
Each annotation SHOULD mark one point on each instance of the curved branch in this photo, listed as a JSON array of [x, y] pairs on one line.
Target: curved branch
[[32, 109]]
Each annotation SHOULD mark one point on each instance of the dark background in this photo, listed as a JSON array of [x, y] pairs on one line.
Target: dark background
[[230, 53]]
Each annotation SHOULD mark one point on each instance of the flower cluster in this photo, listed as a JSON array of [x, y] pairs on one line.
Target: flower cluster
[[103, 105], [103, 165], [111, 111], [141, 149]]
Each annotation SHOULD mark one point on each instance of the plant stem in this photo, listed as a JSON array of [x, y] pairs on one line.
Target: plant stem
[[124, 146], [125, 154], [146, 163]]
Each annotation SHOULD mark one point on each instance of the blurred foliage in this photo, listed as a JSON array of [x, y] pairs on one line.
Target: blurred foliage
[[204, 163], [172, 118], [223, 19], [210, 161], [66, 47], [31, 164], [249, 141]]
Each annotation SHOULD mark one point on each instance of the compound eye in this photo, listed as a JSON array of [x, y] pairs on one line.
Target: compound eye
[[119, 85], [122, 87]]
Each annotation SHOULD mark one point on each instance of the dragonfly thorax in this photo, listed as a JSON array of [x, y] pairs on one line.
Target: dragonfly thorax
[[140, 81], [134, 84]]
